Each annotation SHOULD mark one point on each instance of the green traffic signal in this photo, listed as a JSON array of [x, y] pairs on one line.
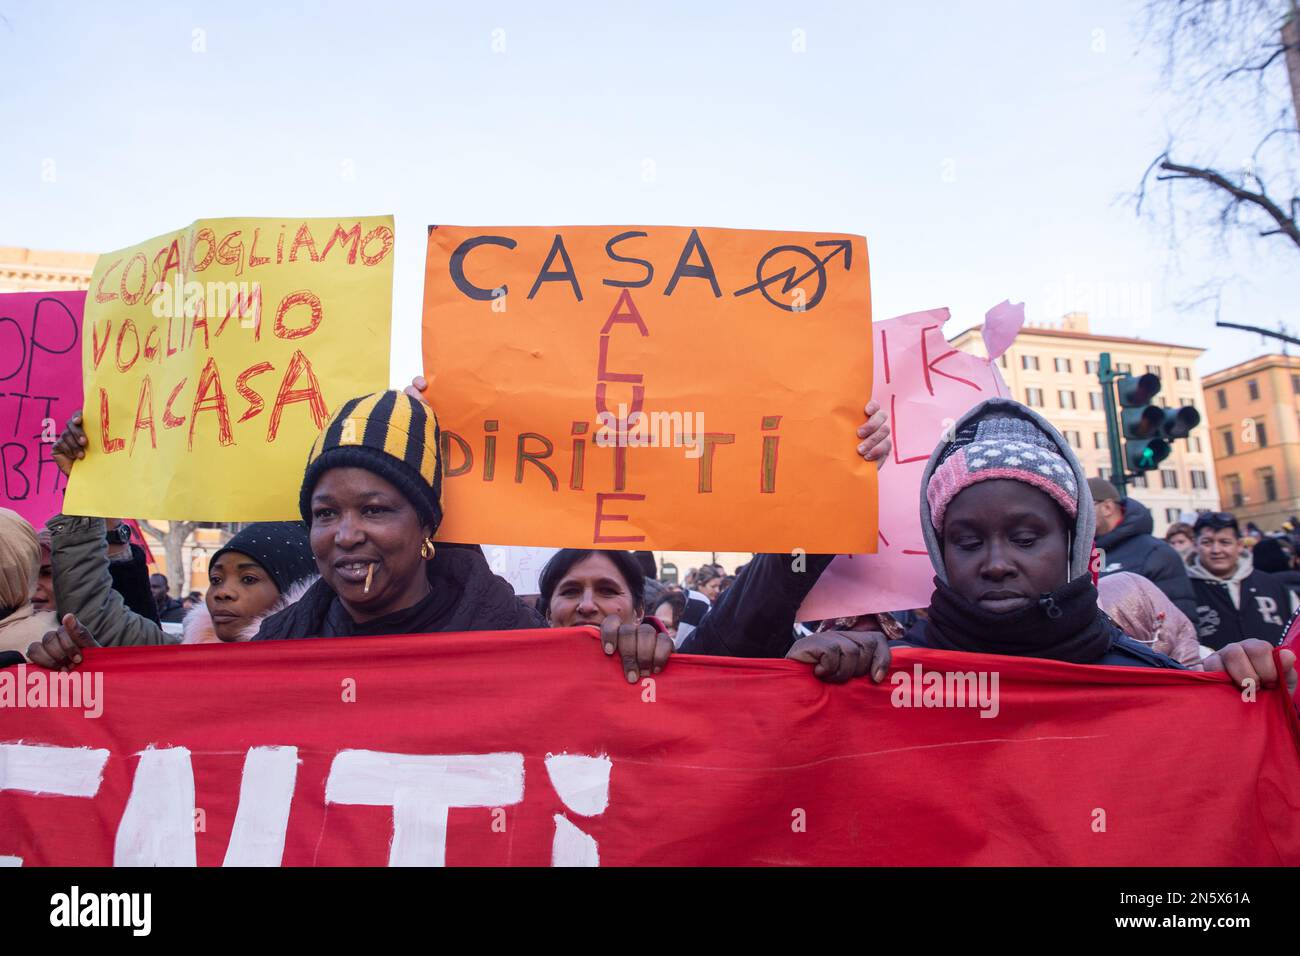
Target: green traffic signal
[[1146, 455]]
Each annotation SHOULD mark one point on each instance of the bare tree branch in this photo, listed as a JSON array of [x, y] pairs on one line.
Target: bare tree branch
[[1260, 67], [1286, 225]]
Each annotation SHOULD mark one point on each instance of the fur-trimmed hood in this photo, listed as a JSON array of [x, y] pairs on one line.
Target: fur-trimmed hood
[[198, 627]]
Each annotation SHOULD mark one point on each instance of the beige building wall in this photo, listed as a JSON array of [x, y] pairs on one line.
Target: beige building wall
[[1255, 429], [1053, 369], [33, 270]]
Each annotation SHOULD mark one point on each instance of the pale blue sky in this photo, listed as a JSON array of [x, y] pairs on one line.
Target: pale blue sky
[[983, 148]]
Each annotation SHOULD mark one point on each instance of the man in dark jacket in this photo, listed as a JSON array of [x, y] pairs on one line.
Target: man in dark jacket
[[1236, 601], [1126, 543]]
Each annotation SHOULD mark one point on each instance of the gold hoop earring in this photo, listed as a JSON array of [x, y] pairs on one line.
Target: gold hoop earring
[[427, 550]]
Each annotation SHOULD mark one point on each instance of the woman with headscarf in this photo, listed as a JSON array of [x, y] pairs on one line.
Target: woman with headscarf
[[20, 558], [1011, 540], [1145, 613]]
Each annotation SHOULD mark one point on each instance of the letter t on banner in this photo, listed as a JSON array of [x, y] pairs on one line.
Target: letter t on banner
[[421, 789]]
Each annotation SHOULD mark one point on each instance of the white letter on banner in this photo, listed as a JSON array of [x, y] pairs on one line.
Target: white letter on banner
[[57, 771], [583, 785], [421, 789], [157, 827], [262, 820]]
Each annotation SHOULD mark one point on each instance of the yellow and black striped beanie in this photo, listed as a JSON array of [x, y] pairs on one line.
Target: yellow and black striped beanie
[[389, 433]]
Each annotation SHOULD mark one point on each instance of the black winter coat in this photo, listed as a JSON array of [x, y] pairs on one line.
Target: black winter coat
[[1131, 547], [755, 616], [466, 596], [1123, 650]]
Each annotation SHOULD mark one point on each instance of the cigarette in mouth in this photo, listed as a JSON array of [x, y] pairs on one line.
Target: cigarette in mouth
[[369, 574]]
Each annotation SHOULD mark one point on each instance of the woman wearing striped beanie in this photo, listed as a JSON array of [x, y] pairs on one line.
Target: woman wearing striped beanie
[[371, 496]]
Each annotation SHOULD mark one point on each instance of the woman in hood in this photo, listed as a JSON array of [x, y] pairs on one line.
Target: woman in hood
[[1145, 613], [20, 558], [263, 569], [1010, 537]]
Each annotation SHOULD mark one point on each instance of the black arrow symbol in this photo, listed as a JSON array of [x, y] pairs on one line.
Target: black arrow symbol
[[791, 280]]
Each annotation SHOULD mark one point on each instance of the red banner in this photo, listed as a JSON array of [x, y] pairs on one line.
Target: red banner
[[528, 748]]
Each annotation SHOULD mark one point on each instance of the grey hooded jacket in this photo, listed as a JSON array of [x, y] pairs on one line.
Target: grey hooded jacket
[[1123, 650]]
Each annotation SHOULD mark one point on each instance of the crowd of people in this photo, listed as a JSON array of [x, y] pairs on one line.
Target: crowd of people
[[1031, 558]]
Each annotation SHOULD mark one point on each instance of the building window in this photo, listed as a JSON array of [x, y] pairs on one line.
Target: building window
[[1103, 473], [1029, 363], [1228, 445], [1261, 434], [1221, 398], [1267, 483], [1199, 479], [1233, 484], [1098, 439], [1168, 478], [1094, 401], [1252, 387], [1187, 401], [1063, 365], [1194, 442], [1140, 480], [1124, 368], [1034, 397], [1154, 370], [1182, 373], [1073, 439], [1090, 366], [1172, 515], [1066, 398], [1162, 401], [1295, 384], [1002, 359]]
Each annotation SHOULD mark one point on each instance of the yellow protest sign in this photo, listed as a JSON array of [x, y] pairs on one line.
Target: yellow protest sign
[[651, 387], [213, 355]]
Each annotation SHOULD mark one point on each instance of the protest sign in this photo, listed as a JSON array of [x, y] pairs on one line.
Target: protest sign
[[925, 385], [654, 387], [40, 387], [415, 751], [213, 355], [520, 566]]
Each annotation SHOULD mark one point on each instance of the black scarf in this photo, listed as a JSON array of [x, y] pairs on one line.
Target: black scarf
[[1065, 625], [464, 596]]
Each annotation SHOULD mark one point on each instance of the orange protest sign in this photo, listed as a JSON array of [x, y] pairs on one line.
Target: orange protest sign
[[651, 387]]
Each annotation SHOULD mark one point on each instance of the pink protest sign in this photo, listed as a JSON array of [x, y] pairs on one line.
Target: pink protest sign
[[925, 385], [40, 386]]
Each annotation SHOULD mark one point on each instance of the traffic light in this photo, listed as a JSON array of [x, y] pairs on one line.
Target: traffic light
[[1147, 428]]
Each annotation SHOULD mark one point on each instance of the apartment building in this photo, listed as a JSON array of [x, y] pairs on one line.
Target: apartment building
[[32, 270], [1254, 415], [1053, 369]]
